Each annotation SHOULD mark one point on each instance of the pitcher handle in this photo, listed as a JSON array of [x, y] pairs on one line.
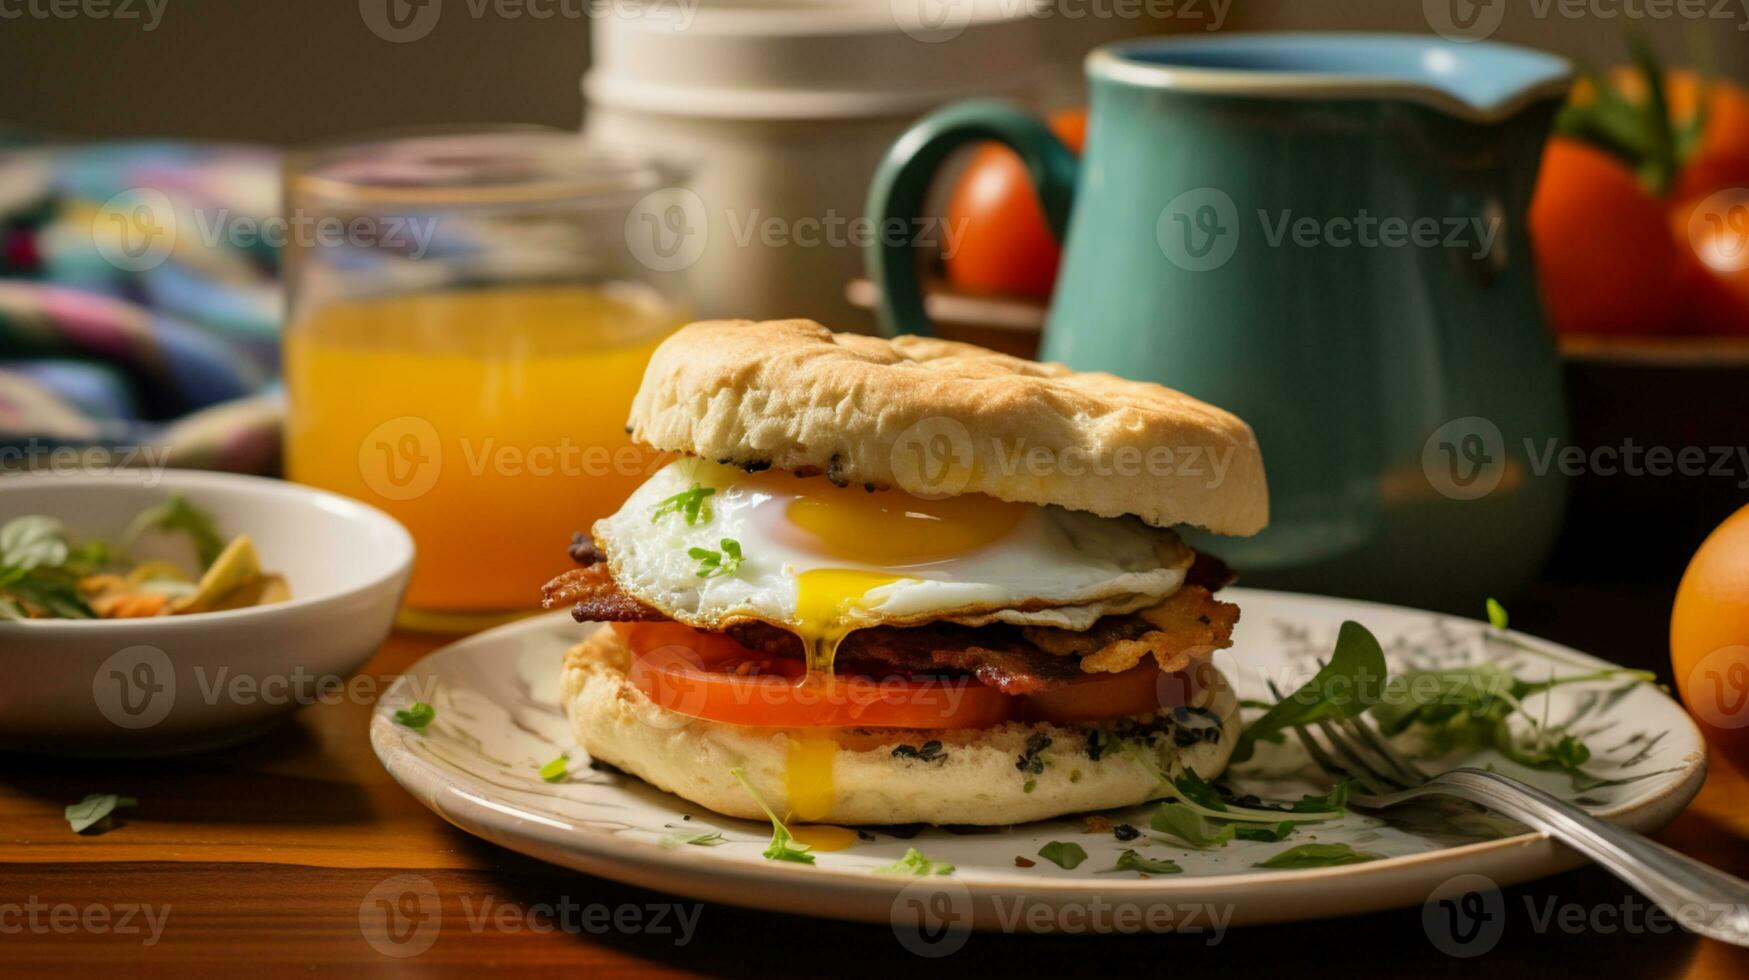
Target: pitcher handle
[[902, 182]]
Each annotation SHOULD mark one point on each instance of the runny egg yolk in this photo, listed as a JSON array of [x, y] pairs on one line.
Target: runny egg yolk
[[862, 541], [889, 530]]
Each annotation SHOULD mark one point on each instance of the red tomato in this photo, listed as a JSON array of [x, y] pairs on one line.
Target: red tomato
[[1141, 690], [1607, 260], [1716, 228], [708, 675], [1005, 247]]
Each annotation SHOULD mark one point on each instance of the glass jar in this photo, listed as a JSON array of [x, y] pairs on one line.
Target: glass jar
[[468, 318]]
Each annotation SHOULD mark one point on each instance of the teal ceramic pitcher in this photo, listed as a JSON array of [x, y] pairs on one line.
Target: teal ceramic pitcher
[[1324, 234]]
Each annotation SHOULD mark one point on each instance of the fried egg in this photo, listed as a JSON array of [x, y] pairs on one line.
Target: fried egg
[[710, 545]]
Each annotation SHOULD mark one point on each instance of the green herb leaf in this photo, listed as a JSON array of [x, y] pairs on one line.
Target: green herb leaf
[[1198, 795], [1189, 826], [714, 563], [1350, 683], [711, 839], [1265, 832], [1316, 856], [1063, 854], [914, 863], [1334, 801], [94, 809], [783, 846], [555, 770], [418, 715], [1469, 707], [33, 541], [689, 504], [1132, 861], [50, 590], [178, 515], [1497, 614]]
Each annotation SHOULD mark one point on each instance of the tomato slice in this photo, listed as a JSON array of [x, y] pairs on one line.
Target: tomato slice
[[709, 675], [1141, 690]]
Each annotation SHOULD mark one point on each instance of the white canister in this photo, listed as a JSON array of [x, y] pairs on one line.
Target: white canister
[[781, 112]]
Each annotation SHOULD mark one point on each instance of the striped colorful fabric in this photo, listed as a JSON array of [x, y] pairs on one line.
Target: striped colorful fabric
[[133, 325]]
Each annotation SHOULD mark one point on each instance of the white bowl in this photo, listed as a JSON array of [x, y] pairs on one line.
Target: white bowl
[[184, 683]]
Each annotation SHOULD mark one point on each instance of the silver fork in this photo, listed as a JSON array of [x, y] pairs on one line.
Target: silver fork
[[1702, 899]]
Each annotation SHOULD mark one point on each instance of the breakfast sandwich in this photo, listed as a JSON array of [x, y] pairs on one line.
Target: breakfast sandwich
[[909, 580]]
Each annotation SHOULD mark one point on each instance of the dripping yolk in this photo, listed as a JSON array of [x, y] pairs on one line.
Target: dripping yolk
[[808, 776], [827, 600], [848, 542]]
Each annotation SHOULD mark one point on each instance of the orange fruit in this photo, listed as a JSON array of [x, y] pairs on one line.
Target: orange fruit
[[1709, 639]]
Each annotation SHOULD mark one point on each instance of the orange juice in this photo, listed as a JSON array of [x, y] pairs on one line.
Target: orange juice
[[489, 421]]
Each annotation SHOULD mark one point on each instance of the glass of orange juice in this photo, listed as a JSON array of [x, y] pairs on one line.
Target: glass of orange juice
[[468, 318]]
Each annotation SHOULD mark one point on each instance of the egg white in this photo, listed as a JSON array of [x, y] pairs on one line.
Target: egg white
[[1056, 567]]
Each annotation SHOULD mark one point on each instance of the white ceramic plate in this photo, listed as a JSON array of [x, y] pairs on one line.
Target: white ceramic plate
[[498, 721]]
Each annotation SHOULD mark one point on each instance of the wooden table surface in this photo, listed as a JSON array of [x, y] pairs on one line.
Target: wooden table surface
[[262, 859]]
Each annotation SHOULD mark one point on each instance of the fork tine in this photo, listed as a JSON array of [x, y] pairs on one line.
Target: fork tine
[[1405, 769], [1348, 770], [1373, 780]]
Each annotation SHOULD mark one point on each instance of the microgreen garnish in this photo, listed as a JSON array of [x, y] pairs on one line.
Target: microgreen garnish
[[1197, 795], [1189, 826], [711, 839], [689, 504], [1063, 854], [1347, 685], [44, 573], [1264, 832], [1132, 861], [555, 770], [33, 551], [714, 563], [178, 515], [96, 810], [418, 715], [1468, 707], [783, 846], [1316, 856], [914, 863], [1497, 614]]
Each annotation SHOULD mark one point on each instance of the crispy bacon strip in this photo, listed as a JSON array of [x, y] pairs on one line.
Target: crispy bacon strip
[[1012, 659], [1190, 623], [995, 655], [596, 596]]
